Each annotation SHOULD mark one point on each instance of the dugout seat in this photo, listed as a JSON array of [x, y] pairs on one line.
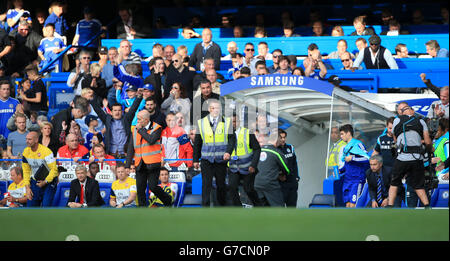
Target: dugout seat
[[323, 201], [180, 179], [439, 198], [62, 194], [105, 191]]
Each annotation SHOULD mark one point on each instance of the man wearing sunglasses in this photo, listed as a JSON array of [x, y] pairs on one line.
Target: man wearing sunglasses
[[375, 56], [250, 59]]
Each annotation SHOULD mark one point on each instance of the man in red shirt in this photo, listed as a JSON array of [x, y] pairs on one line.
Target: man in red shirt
[[73, 149], [99, 153]]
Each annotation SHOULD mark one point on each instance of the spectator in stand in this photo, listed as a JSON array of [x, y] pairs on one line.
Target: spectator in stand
[[8, 107], [401, 51], [11, 125], [88, 93], [130, 26], [157, 79], [436, 90], [155, 113], [361, 44], [261, 67], [36, 97], [360, 27], [341, 49], [25, 50], [5, 48], [87, 29], [17, 193], [238, 32], [232, 49], [98, 153], [394, 29], [84, 191], [188, 33], [46, 137], [94, 168], [260, 32], [318, 29], [170, 189], [131, 94], [288, 30], [434, 50], [440, 108], [17, 139], [182, 74], [49, 48], [206, 49], [292, 61], [73, 149], [386, 16], [175, 143], [127, 55], [96, 83], [123, 190], [79, 72], [208, 65], [263, 51], [298, 71], [157, 51], [92, 123], [284, 66], [38, 21], [177, 101], [128, 75], [74, 129], [313, 62], [169, 51], [418, 18], [250, 59], [444, 15], [275, 56], [337, 31], [18, 14], [57, 18], [375, 56], [205, 97]]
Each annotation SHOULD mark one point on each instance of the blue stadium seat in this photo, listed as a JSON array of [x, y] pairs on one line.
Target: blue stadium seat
[[3, 188], [105, 191], [62, 194], [439, 198], [323, 201], [197, 184]]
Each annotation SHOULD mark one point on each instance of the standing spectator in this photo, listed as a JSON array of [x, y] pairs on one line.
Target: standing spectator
[[46, 137], [108, 73], [434, 50], [360, 27], [145, 147], [131, 27], [356, 163], [271, 163], [5, 47], [126, 55], [18, 14], [157, 79], [86, 29], [35, 157], [385, 144], [289, 183], [214, 144], [263, 51], [206, 49], [170, 189], [276, 54], [175, 143], [169, 51], [209, 66], [38, 21], [17, 139], [81, 69], [49, 48], [375, 56], [439, 108], [123, 190], [250, 59], [314, 61], [92, 123], [84, 191], [341, 48], [96, 83], [177, 101], [188, 33], [8, 106], [206, 95], [243, 163], [232, 49], [337, 31], [36, 97], [318, 29], [57, 18], [401, 51], [73, 149], [182, 74], [17, 190]]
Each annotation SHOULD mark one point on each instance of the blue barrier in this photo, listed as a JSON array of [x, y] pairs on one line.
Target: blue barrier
[[291, 45]]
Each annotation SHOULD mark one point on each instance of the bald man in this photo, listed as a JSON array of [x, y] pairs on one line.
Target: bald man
[[232, 49], [72, 149], [206, 49], [179, 73]]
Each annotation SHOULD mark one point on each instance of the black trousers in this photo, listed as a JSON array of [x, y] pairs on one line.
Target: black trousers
[[290, 194], [149, 176], [219, 171], [233, 185]]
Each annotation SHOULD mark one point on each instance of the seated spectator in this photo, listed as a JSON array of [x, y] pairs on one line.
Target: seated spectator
[[17, 193], [375, 56], [49, 48], [168, 187], [337, 31], [263, 51], [100, 155], [126, 55], [444, 15], [298, 71], [36, 96], [434, 50], [288, 30], [177, 101], [439, 108], [238, 32], [244, 72], [284, 66], [187, 32], [123, 190], [260, 32], [232, 49], [318, 29], [17, 139], [261, 68], [313, 62], [92, 123], [341, 48], [347, 62], [46, 137], [361, 44], [360, 27], [205, 49], [401, 51], [292, 61], [11, 125], [94, 168], [208, 66], [86, 29], [73, 149], [275, 56], [386, 16], [175, 143], [394, 29], [96, 83], [250, 59], [131, 26], [84, 191], [78, 73], [180, 73]]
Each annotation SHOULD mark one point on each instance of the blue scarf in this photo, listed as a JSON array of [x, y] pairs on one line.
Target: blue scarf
[[352, 148]]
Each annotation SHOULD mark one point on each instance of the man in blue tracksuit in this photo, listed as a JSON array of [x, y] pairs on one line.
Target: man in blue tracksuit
[[289, 186], [356, 163]]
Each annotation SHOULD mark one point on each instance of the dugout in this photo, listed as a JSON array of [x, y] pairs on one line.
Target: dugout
[[305, 109]]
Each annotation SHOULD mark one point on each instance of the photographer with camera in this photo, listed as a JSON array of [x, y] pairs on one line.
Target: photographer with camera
[[409, 131]]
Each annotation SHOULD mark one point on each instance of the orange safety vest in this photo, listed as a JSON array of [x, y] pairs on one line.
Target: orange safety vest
[[143, 150]]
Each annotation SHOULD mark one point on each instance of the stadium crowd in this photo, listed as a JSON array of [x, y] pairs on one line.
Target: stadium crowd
[[147, 122]]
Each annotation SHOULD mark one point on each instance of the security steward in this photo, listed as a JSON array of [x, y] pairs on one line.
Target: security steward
[[335, 151], [146, 149], [441, 146], [214, 143], [289, 183], [409, 131], [243, 164]]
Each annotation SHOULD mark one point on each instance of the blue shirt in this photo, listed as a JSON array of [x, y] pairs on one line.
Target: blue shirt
[[442, 53], [108, 74], [60, 23], [47, 46], [7, 109], [119, 137], [14, 14], [87, 30]]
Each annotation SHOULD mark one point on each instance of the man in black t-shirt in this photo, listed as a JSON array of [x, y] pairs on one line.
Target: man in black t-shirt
[[36, 96]]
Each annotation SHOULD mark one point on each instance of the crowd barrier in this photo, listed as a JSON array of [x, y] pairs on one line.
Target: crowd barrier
[[291, 45]]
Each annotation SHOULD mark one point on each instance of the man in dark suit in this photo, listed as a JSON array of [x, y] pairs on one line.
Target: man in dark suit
[[379, 180], [84, 191], [206, 49]]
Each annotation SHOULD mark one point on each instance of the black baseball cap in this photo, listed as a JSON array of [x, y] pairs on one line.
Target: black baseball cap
[[334, 79], [103, 50]]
